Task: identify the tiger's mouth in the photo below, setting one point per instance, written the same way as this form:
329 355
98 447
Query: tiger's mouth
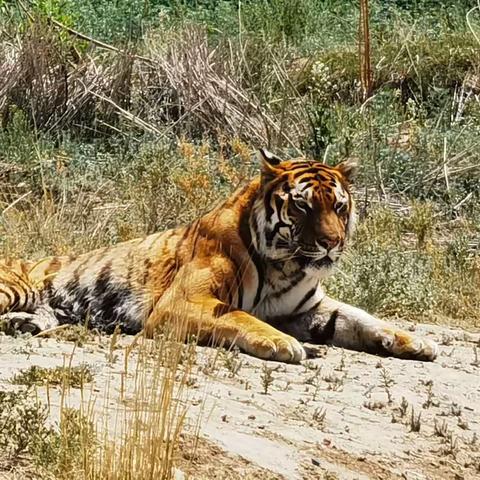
321 263
307 255
314 258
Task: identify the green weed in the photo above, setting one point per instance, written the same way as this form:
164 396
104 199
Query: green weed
74 377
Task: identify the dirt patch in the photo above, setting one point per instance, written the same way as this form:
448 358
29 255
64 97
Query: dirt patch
210 462
345 415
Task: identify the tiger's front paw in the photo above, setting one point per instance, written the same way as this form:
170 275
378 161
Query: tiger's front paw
279 347
402 344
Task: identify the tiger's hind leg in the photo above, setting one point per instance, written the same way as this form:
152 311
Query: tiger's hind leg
25 322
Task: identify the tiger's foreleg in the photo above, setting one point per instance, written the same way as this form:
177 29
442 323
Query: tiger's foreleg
353 328
343 325
212 321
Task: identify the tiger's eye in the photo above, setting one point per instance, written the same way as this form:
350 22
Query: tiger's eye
341 208
301 205
286 188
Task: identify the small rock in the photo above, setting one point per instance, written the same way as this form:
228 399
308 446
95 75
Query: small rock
408 475
178 474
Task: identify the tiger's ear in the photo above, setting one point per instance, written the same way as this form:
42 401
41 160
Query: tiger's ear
348 168
269 158
269 164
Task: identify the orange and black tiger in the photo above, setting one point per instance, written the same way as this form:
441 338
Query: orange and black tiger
248 273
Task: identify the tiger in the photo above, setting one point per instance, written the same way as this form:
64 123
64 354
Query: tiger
248 273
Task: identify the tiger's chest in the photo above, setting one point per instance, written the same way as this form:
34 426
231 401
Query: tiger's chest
285 292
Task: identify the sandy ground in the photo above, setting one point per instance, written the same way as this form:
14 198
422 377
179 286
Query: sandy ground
343 414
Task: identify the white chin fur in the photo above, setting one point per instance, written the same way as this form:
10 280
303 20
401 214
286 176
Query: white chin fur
319 272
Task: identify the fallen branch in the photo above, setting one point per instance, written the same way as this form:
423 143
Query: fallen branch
87 38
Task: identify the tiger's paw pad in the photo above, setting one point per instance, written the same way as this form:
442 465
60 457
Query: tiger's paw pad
404 345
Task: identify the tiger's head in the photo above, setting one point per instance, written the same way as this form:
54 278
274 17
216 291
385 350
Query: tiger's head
305 211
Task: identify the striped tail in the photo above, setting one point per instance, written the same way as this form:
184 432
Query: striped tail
17 292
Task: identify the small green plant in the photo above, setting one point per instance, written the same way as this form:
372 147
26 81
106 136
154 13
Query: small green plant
78 334
430 396
334 382
74 377
266 377
319 415
456 409
387 383
399 413
374 405
25 432
403 407
446 340
441 429
415 421
233 362
315 380
450 446
22 423
310 365
463 423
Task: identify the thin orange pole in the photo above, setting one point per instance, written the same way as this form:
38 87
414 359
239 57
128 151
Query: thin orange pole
364 51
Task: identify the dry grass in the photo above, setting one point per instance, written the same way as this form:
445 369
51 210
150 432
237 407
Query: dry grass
63 210
47 78
182 84
153 416
139 438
